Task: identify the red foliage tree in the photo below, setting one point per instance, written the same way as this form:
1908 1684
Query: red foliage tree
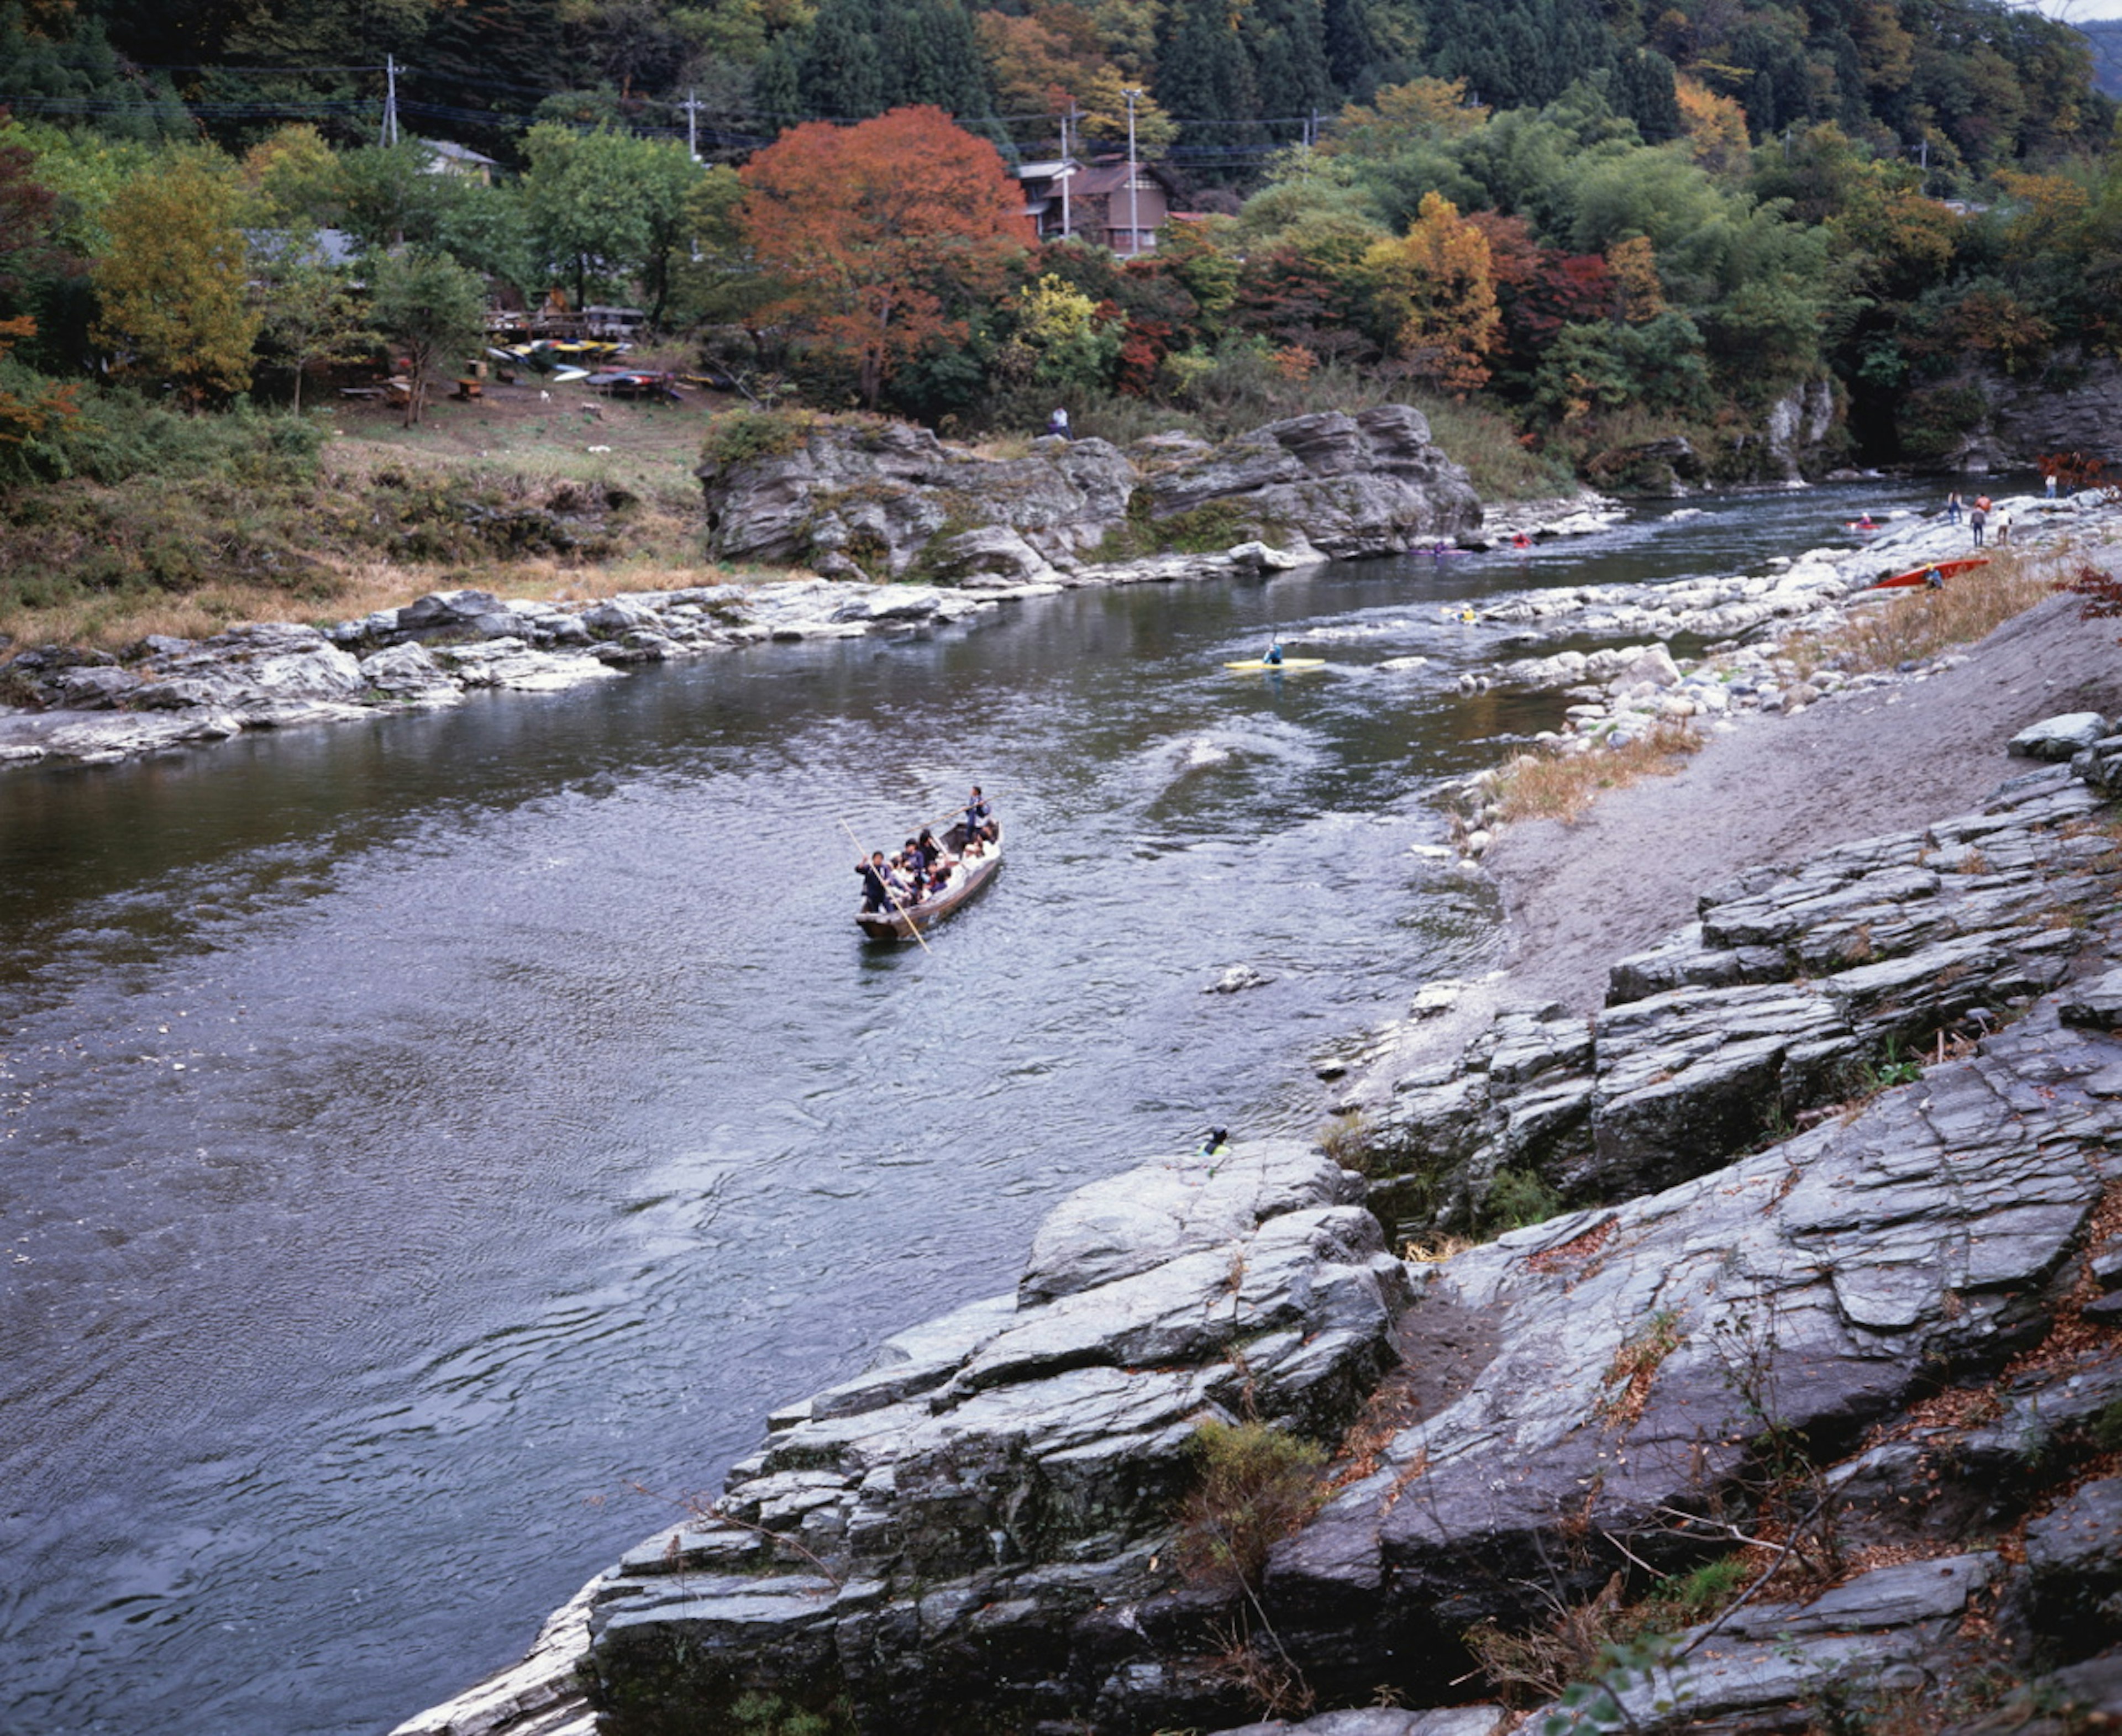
876 232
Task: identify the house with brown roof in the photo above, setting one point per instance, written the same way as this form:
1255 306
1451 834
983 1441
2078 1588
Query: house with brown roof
1104 203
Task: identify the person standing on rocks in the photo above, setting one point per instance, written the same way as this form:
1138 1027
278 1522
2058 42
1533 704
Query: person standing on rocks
1056 424
1952 507
1978 517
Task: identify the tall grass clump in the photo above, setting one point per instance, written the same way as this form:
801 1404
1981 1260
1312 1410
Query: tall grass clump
1562 786
1914 625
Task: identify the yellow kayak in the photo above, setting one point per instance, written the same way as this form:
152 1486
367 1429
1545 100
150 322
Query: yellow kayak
1286 663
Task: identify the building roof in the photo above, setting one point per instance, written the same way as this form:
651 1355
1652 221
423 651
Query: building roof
449 151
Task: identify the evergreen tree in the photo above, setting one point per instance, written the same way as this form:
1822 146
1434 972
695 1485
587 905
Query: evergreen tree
1286 39
1202 70
1644 90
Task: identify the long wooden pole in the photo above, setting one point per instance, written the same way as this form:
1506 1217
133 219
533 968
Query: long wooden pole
913 926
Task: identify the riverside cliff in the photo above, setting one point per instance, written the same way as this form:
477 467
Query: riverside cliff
1809 1418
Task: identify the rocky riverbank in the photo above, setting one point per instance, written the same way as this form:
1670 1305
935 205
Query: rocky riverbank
1366 485
1807 1409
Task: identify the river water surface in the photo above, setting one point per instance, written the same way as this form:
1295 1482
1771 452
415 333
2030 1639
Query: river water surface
428 1147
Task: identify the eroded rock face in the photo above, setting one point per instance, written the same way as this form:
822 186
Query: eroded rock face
959 1538
1796 989
1825 1282
888 499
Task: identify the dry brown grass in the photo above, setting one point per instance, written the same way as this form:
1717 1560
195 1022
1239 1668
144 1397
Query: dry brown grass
1562 786
355 589
513 445
1912 626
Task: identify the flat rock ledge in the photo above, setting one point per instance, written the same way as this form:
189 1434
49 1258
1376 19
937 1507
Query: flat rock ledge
97 708
1917 1295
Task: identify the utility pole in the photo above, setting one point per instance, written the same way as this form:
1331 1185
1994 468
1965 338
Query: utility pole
692 124
1068 170
1134 230
389 102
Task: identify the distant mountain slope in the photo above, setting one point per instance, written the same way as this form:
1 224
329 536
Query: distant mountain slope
2106 36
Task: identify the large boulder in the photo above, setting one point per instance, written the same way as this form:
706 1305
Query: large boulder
884 499
951 1540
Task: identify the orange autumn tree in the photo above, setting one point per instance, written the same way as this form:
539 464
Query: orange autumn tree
876 232
1435 289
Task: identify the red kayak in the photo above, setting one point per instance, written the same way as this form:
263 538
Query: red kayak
1943 569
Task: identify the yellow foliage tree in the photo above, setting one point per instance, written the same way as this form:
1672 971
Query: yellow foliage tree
1715 126
173 284
1436 288
293 178
1638 295
1434 108
1104 102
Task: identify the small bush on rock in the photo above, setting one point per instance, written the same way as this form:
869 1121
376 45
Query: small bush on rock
1518 1199
1258 1484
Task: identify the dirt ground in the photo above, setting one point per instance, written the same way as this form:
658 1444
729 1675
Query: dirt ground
536 423
1777 789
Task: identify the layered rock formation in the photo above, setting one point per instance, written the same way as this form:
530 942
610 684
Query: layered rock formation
1795 988
885 500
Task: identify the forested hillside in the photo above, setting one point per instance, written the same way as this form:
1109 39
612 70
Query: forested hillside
1570 229
1973 83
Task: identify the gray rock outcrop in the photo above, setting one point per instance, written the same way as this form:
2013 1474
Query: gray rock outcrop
888 499
996 1488
1795 990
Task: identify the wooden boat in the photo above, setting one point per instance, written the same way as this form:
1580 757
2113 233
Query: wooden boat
967 880
1921 575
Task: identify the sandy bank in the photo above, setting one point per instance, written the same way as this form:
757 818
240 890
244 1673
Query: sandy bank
1581 895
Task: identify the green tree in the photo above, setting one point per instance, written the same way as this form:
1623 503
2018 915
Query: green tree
174 285
390 196
433 312
309 313
607 207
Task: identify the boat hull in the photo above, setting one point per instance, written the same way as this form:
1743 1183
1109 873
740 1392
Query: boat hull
1261 663
1943 569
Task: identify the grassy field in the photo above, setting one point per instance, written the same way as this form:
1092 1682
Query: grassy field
226 518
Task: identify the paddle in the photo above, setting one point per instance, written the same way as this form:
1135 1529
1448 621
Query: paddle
913 925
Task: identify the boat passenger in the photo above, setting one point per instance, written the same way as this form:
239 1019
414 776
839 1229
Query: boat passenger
932 852
939 877
1274 652
975 848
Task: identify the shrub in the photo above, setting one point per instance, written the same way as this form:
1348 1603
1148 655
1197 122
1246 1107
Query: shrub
1518 1199
746 436
1258 1484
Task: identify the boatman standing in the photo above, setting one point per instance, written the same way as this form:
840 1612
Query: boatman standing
980 817
875 896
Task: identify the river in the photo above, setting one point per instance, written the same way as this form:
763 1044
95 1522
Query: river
428 1147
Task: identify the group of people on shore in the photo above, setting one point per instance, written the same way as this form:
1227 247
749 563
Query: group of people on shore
1977 515
922 868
